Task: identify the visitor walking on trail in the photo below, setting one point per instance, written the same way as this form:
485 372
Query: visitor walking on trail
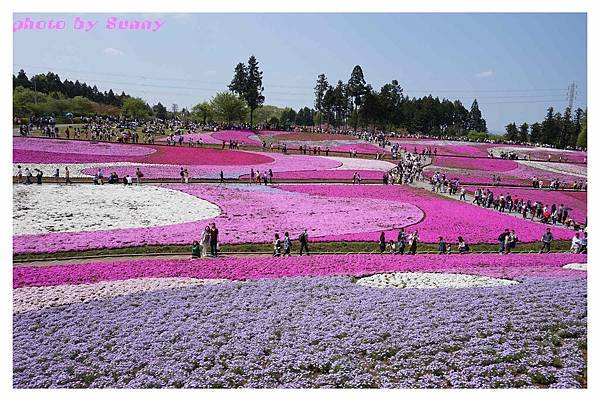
56 175
214 240
277 245
205 241
67 176
382 242
304 242
251 175
221 178
138 176
575 243
182 175
287 245
28 176
442 246
413 240
20 176
463 247
546 241
401 243
502 240
583 244
38 176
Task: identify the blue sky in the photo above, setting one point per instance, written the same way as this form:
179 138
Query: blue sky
516 65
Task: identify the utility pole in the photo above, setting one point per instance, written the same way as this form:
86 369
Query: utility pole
571 94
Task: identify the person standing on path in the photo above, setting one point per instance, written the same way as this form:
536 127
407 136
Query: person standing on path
304 242
287 245
67 176
222 180
277 245
28 176
382 242
401 243
56 175
138 176
205 241
546 241
502 241
20 175
214 240
412 242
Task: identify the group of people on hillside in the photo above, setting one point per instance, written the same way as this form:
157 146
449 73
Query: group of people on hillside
405 243
534 210
208 245
408 170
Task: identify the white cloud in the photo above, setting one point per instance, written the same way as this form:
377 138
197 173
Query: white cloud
485 74
111 51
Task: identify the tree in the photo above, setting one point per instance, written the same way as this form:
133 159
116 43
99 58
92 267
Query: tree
247 84
391 101
524 133
135 107
228 107
582 137
288 117
536 133
549 127
320 89
512 133
202 111
22 80
475 121
238 83
356 88
81 105
158 109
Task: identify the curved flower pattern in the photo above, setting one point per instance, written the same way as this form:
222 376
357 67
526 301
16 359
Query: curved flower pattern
430 280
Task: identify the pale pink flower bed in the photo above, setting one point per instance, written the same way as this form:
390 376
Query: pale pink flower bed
249 213
204 137
506 266
325 175
79 147
243 137
443 217
488 165
277 162
360 148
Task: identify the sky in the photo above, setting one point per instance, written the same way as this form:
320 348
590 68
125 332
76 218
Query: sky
516 65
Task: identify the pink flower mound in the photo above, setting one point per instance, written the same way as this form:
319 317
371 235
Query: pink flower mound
325 175
575 200
272 133
488 165
528 172
279 162
250 213
443 147
360 148
183 155
204 137
499 266
475 177
42 157
241 136
80 147
443 217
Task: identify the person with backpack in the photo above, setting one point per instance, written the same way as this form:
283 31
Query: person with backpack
304 242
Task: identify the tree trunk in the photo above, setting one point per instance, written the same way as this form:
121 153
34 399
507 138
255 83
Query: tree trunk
251 112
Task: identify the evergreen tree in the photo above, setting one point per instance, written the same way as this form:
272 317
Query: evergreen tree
536 133
512 133
582 137
356 88
475 121
320 89
524 133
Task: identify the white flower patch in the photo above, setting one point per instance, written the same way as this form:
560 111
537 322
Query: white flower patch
431 280
576 170
349 163
576 266
33 298
75 169
40 209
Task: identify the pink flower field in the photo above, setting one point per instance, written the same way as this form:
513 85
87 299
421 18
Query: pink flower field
249 213
443 217
243 137
506 266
